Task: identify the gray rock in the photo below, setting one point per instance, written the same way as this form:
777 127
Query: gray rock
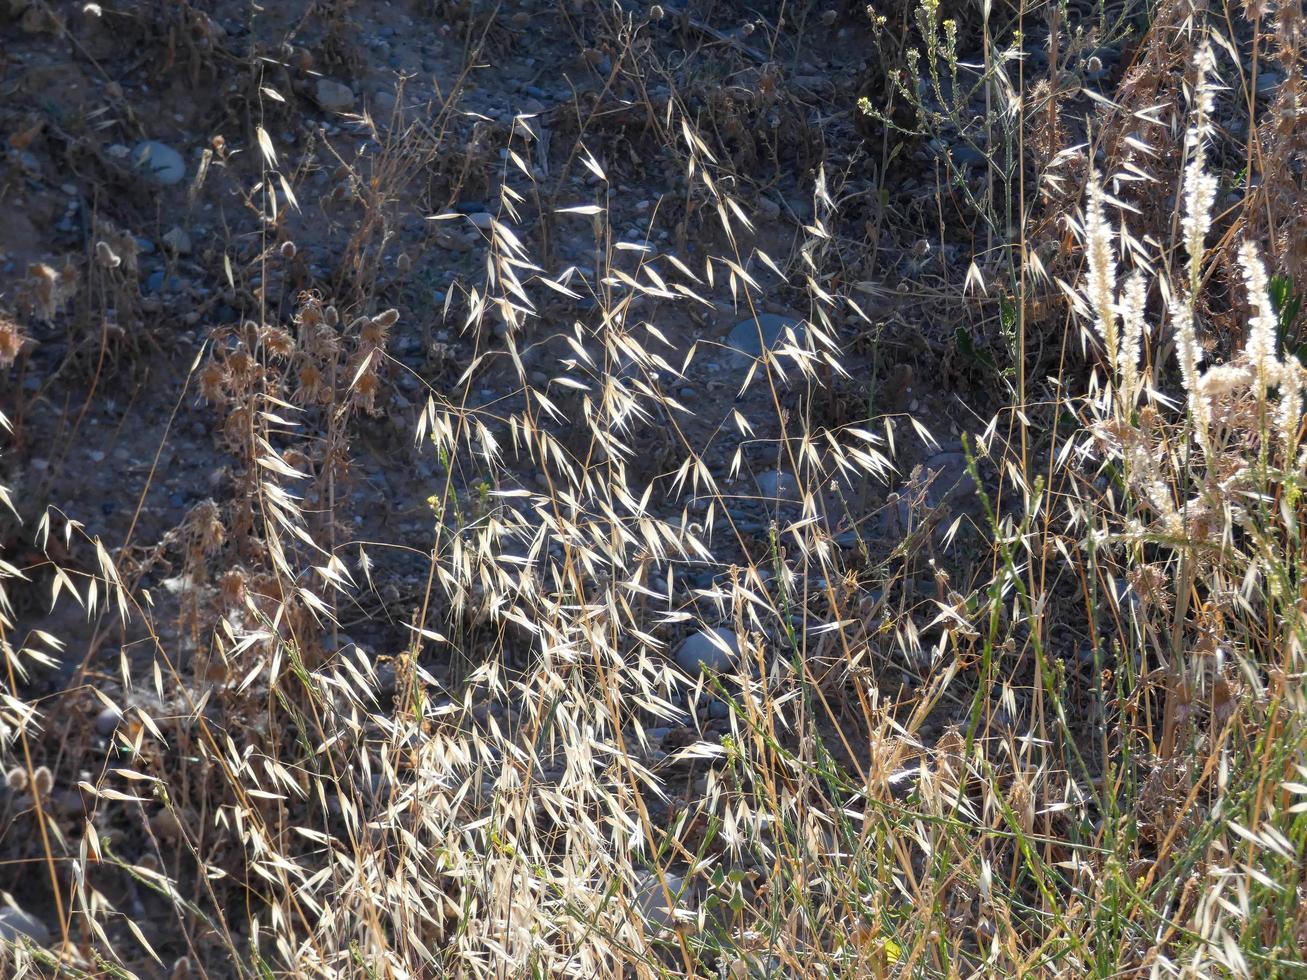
157 282
1268 82
750 338
333 96
777 485
387 680
179 241
15 924
651 901
482 219
700 652
964 153
158 163
952 483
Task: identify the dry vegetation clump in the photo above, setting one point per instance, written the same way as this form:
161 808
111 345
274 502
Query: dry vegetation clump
708 658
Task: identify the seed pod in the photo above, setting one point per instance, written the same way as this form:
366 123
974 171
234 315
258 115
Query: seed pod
43 780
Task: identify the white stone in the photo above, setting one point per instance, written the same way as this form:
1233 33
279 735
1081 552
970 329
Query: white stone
158 163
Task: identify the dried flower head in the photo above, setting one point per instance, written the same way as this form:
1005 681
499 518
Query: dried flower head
376 331
278 342
48 289
206 529
231 586
365 391
213 380
312 385
11 342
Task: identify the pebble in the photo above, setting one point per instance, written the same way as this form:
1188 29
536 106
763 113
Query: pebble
387 680
1268 83
963 153
158 163
481 219
155 282
699 652
777 485
15 924
744 336
952 482
333 96
178 240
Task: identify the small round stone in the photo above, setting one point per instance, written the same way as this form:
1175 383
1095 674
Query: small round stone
107 721
704 651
